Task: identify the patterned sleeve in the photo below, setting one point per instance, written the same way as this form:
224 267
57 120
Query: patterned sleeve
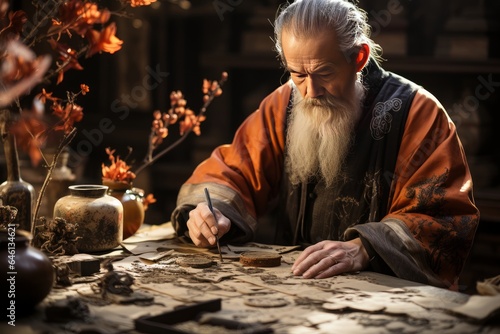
432 219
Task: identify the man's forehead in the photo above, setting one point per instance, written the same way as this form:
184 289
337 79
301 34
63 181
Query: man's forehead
311 65
314 50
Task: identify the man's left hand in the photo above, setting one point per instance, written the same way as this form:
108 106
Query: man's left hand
329 258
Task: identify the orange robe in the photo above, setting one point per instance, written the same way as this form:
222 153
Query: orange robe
425 228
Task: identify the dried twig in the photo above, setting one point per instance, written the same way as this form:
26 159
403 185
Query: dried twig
64 142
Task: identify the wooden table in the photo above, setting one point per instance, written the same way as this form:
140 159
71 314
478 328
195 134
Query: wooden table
251 299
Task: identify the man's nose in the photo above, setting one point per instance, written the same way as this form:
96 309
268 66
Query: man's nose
314 88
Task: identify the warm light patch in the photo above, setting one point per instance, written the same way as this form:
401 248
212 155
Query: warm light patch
466 186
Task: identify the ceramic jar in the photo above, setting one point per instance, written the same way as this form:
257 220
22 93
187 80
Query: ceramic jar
131 199
27 274
98 217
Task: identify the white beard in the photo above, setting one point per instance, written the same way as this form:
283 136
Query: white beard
320 133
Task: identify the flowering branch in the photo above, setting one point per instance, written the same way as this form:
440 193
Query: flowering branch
68 115
119 171
191 123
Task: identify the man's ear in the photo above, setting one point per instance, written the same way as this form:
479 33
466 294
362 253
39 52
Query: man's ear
362 57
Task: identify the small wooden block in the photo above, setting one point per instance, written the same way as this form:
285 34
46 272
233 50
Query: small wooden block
84 266
260 259
195 262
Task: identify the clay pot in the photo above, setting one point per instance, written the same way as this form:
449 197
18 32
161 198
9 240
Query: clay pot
98 217
131 199
27 274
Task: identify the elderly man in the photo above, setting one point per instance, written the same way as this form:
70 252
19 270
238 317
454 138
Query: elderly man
361 166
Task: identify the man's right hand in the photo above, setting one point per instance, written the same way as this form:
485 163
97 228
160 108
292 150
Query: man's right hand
203 227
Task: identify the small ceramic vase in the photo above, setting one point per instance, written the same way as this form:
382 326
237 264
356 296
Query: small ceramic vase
133 209
98 217
27 274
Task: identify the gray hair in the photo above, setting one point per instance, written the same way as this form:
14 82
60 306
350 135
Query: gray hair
306 18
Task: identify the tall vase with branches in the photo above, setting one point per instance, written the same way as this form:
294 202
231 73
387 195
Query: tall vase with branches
73 29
